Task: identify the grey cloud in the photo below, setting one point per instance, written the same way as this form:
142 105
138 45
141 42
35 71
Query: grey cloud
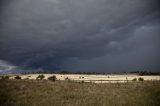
6 67
55 34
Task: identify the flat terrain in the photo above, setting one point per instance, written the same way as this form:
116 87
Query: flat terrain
93 78
69 93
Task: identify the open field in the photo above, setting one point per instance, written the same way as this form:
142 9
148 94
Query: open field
93 78
69 93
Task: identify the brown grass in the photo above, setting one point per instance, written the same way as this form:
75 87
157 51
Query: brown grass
68 93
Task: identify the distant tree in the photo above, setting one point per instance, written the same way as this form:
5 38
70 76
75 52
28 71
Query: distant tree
52 78
83 72
78 72
140 79
67 79
103 73
40 77
135 79
148 73
64 72
17 77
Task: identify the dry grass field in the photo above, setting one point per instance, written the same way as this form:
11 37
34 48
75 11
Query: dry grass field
68 93
92 78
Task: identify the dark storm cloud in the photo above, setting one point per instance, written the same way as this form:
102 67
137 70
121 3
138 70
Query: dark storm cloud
80 34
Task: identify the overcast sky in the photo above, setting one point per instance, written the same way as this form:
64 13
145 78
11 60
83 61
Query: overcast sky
80 35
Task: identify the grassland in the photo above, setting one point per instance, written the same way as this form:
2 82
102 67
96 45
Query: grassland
68 93
92 78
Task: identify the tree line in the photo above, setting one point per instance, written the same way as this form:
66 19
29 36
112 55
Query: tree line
92 73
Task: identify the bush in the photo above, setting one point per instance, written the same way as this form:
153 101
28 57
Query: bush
140 79
135 79
67 79
40 77
52 78
17 77
4 77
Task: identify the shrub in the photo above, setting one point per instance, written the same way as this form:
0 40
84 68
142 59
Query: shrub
40 77
17 77
135 79
67 79
140 79
52 78
4 77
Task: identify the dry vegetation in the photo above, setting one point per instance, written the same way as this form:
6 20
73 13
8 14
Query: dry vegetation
68 93
90 78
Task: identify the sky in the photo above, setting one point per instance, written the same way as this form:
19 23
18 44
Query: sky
80 35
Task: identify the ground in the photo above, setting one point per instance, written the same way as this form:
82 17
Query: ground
108 78
69 93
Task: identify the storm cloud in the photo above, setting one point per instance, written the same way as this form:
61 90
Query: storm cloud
81 35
